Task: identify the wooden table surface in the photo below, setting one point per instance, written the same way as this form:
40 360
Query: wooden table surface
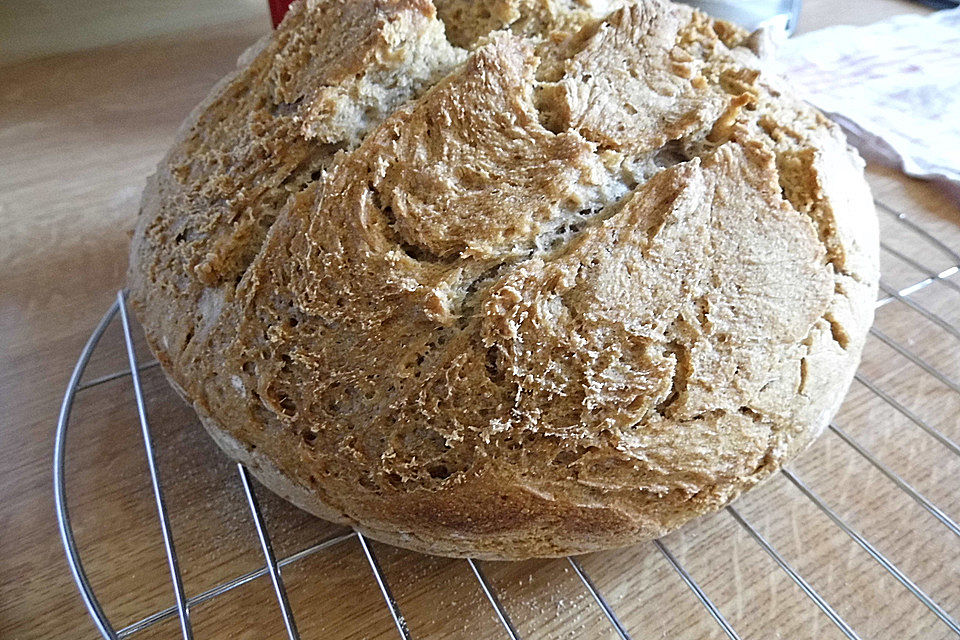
78 135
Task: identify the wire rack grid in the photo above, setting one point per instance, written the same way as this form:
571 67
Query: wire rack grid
273 566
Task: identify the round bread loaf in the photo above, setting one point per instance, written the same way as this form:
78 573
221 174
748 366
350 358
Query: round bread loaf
507 278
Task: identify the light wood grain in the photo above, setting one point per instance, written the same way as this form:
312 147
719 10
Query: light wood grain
79 134
32 28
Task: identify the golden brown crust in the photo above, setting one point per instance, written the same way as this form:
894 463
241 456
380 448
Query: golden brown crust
468 21
562 293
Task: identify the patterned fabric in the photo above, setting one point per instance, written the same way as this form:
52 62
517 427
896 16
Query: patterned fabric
894 85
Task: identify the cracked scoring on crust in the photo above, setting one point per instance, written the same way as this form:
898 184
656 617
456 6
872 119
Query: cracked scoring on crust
522 303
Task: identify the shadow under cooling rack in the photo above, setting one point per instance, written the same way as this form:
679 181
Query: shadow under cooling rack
273 566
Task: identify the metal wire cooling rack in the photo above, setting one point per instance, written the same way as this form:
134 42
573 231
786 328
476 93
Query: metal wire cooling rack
273 565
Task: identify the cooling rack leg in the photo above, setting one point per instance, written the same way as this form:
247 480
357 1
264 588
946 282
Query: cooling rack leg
182 610
267 547
697 591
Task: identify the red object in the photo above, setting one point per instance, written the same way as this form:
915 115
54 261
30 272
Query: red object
278 9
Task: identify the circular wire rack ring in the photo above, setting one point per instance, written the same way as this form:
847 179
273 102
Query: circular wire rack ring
273 566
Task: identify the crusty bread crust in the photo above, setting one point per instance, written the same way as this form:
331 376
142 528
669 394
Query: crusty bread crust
549 289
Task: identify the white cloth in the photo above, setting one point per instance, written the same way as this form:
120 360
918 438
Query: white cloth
894 85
